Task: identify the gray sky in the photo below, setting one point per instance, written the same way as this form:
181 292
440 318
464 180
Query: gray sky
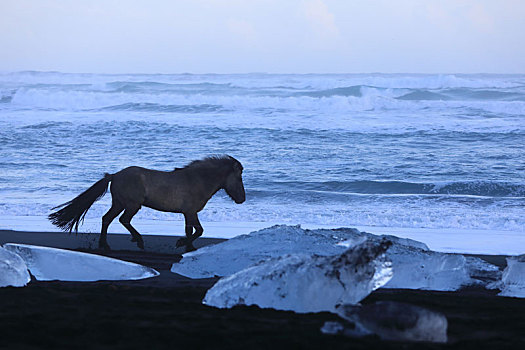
281 36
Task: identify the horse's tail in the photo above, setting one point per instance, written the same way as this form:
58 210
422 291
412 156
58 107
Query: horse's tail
73 212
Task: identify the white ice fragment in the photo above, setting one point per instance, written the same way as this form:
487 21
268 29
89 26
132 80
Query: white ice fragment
418 269
306 282
391 321
13 270
48 264
238 253
514 277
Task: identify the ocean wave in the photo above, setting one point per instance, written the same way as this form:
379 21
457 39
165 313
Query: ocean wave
473 188
423 95
278 90
315 81
340 91
152 86
437 81
276 94
462 95
155 107
370 100
6 95
47 125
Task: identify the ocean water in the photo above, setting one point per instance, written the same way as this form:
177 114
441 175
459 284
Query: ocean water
428 152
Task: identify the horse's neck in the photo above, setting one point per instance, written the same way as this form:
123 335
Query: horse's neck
212 181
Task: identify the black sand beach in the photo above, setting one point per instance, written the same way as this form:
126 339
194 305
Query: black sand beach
166 311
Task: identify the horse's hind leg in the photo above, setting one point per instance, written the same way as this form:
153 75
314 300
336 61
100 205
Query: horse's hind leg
125 220
112 213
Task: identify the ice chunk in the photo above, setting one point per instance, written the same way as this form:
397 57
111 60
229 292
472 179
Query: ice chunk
48 264
238 253
306 282
514 277
483 273
397 240
391 321
415 266
418 269
13 270
334 327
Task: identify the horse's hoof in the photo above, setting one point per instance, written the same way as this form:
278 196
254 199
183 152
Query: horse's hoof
140 244
181 242
190 248
104 247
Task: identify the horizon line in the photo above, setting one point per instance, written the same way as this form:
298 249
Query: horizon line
250 73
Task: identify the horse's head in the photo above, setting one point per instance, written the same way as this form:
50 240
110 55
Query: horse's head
233 184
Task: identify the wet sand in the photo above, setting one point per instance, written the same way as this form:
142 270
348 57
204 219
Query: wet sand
166 311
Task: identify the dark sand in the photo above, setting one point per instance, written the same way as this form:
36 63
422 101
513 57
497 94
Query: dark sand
166 312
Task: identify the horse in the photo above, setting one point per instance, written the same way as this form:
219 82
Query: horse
184 190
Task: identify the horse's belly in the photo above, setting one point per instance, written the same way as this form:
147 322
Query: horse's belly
164 205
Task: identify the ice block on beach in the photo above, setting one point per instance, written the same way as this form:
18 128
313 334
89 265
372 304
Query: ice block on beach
414 265
13 269
514 277
240 252
419 269
48 264
306 282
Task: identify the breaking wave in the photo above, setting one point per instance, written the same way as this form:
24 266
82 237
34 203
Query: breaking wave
155 107
319 93
474 188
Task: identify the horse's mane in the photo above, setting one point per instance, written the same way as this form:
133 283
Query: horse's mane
212 162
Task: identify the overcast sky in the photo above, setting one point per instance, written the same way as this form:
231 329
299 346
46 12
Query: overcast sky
281 36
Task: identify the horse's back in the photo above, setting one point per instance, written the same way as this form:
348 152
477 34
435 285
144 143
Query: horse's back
156 189
133 175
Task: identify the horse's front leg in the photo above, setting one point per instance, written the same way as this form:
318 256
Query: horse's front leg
188 230
195 224
191 222
198 228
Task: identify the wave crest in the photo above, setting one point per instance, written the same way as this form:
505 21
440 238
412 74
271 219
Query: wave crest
473 188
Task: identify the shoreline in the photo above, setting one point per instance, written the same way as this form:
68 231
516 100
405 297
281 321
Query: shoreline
154 244
161 244
165 244
445 240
